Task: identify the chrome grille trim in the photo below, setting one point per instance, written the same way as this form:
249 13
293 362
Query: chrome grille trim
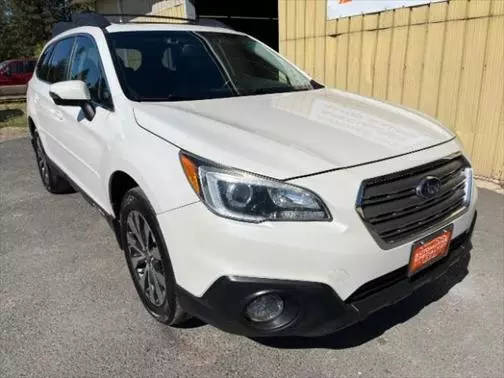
393 212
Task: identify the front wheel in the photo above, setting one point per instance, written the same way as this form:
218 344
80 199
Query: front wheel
147 258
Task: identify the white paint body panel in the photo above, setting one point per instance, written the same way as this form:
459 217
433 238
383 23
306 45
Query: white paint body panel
71 90
281 136
291 134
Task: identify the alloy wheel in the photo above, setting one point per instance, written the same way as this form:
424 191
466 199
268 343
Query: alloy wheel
42 162
145 259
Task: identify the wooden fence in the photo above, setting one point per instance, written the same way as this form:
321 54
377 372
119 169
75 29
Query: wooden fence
445 59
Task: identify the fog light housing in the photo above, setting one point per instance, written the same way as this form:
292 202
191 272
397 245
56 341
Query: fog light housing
265 308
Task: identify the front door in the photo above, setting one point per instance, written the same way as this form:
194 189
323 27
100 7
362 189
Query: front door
85 140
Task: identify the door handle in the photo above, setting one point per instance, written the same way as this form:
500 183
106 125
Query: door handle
57 115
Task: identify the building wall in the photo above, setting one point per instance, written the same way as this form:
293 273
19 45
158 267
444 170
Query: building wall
107 6
445 59
168 8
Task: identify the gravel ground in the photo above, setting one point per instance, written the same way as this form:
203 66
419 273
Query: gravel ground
69 308
9 133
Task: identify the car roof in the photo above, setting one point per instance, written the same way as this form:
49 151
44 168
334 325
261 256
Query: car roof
133 27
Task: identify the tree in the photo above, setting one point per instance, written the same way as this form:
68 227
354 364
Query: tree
25 25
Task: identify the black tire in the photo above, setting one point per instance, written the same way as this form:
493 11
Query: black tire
147 266
53 182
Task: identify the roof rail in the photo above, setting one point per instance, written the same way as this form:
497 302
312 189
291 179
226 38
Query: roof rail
137 15
101 20
198 21
81 19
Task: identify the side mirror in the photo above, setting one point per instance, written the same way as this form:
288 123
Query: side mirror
73 93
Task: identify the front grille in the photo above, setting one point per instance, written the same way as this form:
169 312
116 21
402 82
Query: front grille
394 212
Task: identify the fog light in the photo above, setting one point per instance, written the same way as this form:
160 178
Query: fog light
265 308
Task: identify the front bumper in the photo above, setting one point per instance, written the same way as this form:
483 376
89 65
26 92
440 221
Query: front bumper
317 309
341 254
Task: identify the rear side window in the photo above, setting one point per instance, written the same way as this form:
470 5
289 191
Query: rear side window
43 63
87 67
60 59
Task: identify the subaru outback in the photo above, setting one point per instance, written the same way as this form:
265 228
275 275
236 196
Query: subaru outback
241 191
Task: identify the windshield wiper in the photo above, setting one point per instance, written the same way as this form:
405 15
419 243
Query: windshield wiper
163 99
316 85
270 90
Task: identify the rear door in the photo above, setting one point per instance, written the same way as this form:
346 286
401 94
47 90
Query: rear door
36 89
51 121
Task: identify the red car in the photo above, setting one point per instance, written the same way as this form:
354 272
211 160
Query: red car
16 71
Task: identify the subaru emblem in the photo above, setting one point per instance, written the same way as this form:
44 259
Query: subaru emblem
428 187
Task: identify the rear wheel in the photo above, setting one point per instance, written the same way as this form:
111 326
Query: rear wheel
53 182
148 259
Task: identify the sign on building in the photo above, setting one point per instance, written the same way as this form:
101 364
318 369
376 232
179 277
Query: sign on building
345 8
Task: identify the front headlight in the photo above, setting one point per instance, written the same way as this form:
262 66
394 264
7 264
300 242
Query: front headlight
243 196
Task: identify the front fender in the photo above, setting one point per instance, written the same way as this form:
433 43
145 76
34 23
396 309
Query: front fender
155 166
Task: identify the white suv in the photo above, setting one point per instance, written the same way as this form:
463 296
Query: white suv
241 191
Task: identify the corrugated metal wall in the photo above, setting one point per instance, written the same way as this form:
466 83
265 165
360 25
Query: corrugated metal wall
445 59
167 8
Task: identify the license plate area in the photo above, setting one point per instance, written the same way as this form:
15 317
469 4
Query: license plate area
430 249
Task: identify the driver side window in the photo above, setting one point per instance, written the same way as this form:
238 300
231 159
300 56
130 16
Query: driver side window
87 67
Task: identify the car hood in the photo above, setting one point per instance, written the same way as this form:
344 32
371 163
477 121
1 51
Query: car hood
291 134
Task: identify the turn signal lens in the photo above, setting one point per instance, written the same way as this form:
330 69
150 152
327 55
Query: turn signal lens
191 171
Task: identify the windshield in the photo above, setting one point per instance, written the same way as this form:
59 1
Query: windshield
184 65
